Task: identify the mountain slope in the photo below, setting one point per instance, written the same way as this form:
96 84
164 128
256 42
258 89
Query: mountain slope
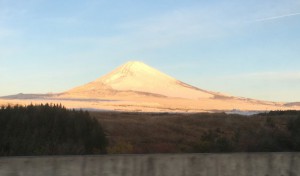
141 78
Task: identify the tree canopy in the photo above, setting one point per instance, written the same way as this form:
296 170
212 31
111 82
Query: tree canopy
49 130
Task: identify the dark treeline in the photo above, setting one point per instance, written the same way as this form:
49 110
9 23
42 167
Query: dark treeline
49 130
284 113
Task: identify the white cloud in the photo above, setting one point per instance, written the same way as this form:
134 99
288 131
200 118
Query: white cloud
10 12
274 86
4 32
278 75
64 21
275 76
277 17
177 26
202 22
180 26
163 30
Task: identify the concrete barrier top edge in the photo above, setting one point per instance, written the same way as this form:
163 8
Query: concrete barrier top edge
156 154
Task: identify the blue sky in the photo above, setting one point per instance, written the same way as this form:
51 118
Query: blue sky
244 48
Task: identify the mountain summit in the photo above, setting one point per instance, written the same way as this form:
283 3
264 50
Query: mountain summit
138 77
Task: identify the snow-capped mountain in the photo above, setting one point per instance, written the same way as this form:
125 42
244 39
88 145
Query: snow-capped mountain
140 78
136 86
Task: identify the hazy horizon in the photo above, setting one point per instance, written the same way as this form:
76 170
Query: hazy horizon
241 48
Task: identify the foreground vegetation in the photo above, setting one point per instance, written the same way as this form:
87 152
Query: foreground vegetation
49 130
54 130
277 131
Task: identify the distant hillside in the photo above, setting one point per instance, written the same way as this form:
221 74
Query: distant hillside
27 96
292 104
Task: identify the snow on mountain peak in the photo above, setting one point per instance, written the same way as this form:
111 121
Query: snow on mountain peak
134 71
137 76
137 67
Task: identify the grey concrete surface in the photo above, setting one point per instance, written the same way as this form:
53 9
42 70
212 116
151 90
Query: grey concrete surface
239 164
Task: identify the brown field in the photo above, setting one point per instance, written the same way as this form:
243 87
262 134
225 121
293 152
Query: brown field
183 132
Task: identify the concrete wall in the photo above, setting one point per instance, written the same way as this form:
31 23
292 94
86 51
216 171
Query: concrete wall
241 164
